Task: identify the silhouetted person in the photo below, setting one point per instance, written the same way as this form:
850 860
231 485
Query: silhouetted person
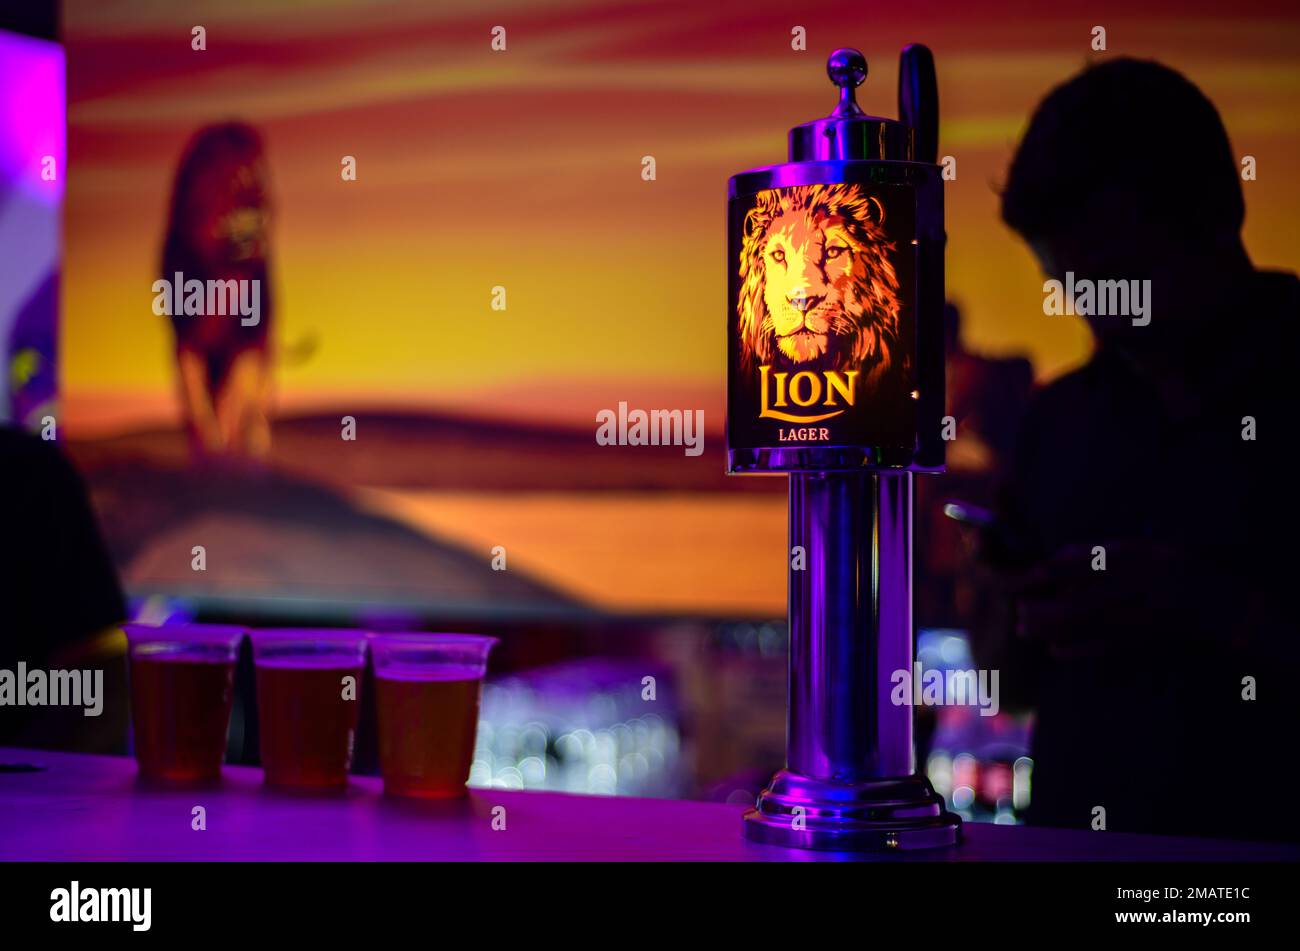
60 603
1136 671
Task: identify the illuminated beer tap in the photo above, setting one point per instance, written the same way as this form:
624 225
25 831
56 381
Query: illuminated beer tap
835 377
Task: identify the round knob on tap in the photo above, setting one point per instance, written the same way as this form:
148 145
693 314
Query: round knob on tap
847 69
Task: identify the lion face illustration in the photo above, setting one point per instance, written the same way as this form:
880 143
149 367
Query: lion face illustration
818 290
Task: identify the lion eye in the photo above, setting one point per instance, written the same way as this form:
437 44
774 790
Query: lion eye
834 251
778 256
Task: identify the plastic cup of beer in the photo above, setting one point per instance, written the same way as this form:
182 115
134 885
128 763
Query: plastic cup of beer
308 704
182 685
427 689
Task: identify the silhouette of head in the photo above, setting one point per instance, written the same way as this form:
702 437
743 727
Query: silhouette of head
1125 173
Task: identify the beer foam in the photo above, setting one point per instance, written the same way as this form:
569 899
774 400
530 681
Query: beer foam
313 662
431 672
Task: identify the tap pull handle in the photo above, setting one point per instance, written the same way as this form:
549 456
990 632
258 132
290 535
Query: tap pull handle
918 100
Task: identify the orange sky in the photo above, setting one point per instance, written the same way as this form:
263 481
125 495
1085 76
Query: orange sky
522 169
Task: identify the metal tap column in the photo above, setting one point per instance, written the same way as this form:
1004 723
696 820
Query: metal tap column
850 781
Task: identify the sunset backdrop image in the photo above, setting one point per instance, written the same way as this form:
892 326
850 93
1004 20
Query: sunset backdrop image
485 225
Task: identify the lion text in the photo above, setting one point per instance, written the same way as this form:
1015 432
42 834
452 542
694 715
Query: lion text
777 391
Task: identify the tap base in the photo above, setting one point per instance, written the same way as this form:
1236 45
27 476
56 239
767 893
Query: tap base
880 815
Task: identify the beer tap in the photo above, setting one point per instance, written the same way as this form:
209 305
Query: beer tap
836 379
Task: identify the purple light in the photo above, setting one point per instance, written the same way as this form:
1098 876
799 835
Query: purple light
31 116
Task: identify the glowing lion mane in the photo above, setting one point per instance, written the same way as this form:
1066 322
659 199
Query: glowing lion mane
838 302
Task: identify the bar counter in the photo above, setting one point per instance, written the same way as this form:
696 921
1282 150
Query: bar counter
92 808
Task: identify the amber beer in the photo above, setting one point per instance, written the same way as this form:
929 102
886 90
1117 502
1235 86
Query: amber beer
182 685
428 748
428 688
306 727
308 703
